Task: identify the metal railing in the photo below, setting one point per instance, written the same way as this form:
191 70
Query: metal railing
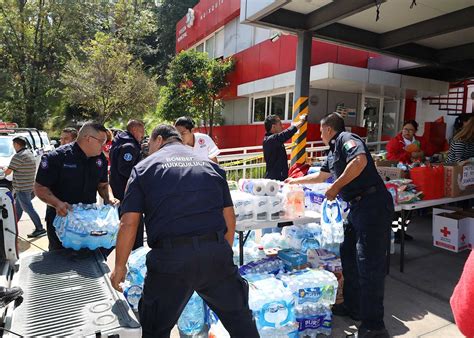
248 162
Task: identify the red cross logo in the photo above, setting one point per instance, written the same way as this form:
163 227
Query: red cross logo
463 237
445 232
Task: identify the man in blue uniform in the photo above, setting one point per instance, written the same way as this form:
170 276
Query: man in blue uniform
124 155
190 224
366 231
73 173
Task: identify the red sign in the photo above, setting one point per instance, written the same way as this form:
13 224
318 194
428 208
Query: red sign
204 19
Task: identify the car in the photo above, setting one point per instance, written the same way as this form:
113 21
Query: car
37 141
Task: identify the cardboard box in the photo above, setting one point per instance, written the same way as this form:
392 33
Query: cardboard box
459 180
390 173
470 225
451 231
385 163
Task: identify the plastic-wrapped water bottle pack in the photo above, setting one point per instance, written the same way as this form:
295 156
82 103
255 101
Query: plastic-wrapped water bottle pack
270 265
313 292
135 278
88 226
332 230
304 237
273 308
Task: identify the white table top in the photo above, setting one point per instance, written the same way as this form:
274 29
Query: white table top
431 203
309 217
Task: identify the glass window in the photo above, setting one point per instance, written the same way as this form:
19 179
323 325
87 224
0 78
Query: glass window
277 105
259 111
219 44
200 47
6 147
290 106
210 46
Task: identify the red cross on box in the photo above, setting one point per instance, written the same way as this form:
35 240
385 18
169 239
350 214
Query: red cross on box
445 232
463 237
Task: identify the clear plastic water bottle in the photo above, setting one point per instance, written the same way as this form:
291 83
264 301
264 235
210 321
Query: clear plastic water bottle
192 318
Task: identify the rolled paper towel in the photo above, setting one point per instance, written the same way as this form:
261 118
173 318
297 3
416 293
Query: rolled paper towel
259 187
262 208
276 207
254 187
271 187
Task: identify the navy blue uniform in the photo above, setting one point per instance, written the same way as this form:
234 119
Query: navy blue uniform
366 231
183 198
275 154
125 153
73 178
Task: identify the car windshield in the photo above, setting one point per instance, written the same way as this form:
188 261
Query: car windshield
45 139
6 147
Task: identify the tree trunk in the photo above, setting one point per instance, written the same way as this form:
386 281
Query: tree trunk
211 118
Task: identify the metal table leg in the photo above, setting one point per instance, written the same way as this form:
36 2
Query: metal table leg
241 248
405 216
242 241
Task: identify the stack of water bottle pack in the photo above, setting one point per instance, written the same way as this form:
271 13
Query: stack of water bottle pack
263 200
88 226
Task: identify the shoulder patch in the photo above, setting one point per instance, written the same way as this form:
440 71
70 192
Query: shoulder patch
44 163
349 145
128 157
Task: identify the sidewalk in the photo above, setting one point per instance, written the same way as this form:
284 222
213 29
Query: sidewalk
416 302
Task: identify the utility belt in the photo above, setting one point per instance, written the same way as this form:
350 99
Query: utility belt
188 241
368 191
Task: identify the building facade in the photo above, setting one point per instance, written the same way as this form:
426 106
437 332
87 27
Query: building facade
354 82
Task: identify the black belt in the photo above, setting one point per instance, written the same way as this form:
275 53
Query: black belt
183 241
371 190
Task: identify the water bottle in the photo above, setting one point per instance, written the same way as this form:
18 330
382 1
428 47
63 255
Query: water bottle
192 318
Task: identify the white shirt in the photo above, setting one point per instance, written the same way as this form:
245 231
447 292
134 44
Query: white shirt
204 146
407 141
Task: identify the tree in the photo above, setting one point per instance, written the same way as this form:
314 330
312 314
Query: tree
106 81
168 13
194 83
33 39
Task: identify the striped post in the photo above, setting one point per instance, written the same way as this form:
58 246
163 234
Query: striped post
300 106
298 152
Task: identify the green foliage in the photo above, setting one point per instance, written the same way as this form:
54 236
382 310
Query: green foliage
167 15
38 38
193 85
105 80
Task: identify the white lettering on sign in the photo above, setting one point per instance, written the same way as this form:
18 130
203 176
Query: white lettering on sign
211 8
182 164
467 175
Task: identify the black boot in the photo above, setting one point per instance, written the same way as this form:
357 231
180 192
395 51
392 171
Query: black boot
366 333
342 311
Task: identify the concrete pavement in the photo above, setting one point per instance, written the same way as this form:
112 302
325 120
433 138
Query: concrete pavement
416 302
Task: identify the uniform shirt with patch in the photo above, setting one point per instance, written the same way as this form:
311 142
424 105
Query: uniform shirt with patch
204 146
343 148
71 175
179 193
125 153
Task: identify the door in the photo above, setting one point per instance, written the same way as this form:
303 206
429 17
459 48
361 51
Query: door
371 118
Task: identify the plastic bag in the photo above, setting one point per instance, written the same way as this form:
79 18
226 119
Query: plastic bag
331 222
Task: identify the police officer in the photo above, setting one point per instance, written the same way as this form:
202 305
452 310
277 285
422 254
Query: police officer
73 173
366 231
190 224
125 153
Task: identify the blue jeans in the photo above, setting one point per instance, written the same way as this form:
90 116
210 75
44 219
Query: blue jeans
23 203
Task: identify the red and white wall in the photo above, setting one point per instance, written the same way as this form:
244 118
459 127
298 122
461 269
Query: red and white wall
214 26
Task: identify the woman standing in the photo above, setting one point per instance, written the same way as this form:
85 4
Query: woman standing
462 145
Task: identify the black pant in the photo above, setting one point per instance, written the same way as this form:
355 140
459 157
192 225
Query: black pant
205 267
363 256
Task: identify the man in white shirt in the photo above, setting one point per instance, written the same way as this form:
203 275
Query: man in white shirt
203 146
